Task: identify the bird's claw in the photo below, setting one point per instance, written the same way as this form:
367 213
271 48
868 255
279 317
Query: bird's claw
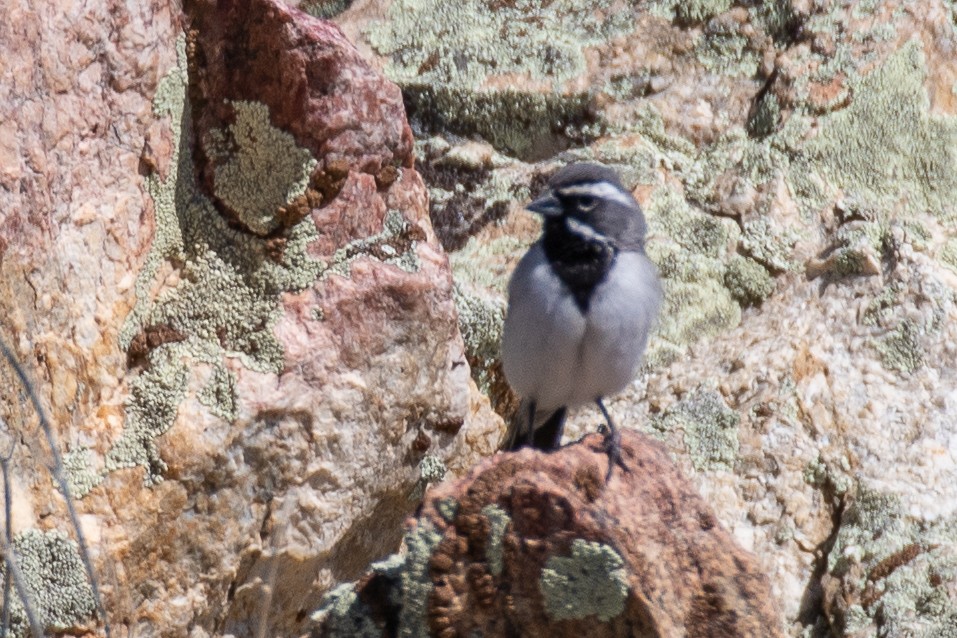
612 446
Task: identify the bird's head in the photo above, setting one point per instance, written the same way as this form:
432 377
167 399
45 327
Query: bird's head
590 201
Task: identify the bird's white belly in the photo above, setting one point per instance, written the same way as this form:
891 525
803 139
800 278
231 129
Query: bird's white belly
554 354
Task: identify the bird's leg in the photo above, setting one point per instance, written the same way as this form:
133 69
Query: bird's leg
612 442
530 432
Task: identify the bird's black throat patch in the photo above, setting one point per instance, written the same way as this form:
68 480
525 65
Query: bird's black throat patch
581 262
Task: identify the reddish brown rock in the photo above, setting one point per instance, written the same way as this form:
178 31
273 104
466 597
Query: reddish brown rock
538 544
313 81
243 414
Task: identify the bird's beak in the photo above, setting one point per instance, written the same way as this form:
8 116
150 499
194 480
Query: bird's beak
546 205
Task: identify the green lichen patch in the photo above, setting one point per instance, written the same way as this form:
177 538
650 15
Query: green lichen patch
590 582
726 50
880 309
827 478
769 244
169 193
747 281
530 126
896 571
443 53
259 168
483 265
480 322
948 254
886 149
696 11
709 426
325 8
499 521
56 580
690 250
464 42
901 350
695 231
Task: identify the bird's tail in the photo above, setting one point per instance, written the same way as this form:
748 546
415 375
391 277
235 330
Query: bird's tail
546 428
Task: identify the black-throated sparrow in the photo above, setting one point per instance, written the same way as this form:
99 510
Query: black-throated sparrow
580 305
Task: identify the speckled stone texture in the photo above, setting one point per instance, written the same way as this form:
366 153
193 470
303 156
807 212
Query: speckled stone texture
217 265
534 544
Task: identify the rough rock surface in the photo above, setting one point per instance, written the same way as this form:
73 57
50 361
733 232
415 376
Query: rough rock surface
537 544
797 162
217 265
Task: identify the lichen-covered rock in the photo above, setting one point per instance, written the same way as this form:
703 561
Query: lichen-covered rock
796 163
216 264
536 544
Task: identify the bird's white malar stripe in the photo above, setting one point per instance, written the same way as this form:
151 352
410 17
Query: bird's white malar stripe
598 190
585 231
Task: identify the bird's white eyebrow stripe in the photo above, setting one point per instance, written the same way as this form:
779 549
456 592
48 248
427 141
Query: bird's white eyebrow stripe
598 190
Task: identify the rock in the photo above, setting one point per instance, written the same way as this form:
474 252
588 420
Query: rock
217 266
796 162
537 544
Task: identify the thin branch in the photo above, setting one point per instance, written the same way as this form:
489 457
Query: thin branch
60 476
12 569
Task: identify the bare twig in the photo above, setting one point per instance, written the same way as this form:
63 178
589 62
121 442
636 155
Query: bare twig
60 477
8 532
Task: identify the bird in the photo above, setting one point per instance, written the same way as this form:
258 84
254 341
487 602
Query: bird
581 303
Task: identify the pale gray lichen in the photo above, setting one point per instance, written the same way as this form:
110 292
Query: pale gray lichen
948 254
54 575
420 543
394 245
228 296
590 582
898 568
345 616
80 473
259 168
447 509
769 243
443 52
499 521
151 408
431 470
219 395
690 250
725 49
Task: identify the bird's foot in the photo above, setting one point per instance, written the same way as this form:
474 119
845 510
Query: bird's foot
612 446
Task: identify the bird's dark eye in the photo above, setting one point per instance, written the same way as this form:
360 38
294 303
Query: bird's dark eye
586 202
